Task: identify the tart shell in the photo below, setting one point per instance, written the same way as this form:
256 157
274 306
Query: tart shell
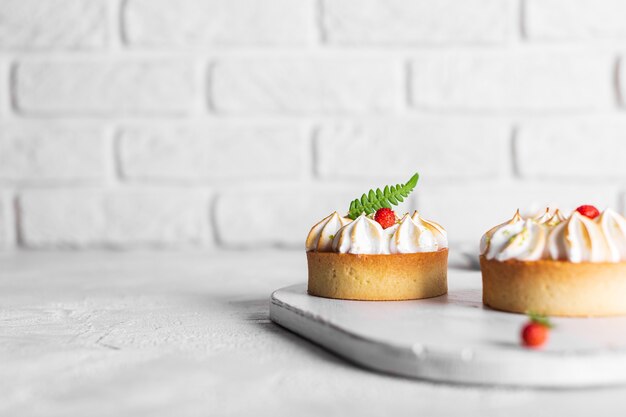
555 288
406 276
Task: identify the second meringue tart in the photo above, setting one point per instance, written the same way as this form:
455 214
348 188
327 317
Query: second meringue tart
557 266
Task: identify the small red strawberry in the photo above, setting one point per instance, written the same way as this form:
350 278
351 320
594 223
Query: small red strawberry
589 211
535 333
385 217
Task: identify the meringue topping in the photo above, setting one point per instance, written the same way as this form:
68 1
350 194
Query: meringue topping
440 234
552 236
557 217
543 218
516 239
411 237
527 244
614 228
485 241
578 239
362 236
321 236
549 218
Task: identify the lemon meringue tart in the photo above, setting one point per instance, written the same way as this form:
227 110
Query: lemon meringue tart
555 265
371 254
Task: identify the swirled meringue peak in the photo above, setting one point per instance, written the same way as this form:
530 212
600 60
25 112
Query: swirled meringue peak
614 228
362 236
485 241
411 237
527 243
516 239
550 218
578 239
557 217
543 217
440 234
321 236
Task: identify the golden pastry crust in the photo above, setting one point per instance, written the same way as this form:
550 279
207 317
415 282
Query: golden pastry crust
406 276
555 288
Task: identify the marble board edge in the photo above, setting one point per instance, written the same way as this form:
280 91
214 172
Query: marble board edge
425 363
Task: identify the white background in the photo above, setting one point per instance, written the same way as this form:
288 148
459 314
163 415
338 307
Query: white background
238 124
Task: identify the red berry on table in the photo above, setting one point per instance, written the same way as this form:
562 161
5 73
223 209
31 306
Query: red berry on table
588 211
535 333
385 217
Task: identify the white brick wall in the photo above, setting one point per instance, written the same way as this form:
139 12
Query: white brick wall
575 19
50 153
104 86
53 24
395 149
419 21
574 150
622 80
237 124
506 80
88 217
212 153
296 86
7 228
214 22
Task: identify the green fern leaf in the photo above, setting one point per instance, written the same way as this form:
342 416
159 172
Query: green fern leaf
377 199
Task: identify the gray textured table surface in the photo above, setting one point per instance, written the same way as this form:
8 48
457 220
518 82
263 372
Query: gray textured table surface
188 334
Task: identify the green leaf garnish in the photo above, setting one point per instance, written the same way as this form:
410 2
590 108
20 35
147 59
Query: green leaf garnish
540 319
377 199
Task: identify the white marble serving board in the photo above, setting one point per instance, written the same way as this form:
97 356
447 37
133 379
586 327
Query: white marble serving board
454 338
